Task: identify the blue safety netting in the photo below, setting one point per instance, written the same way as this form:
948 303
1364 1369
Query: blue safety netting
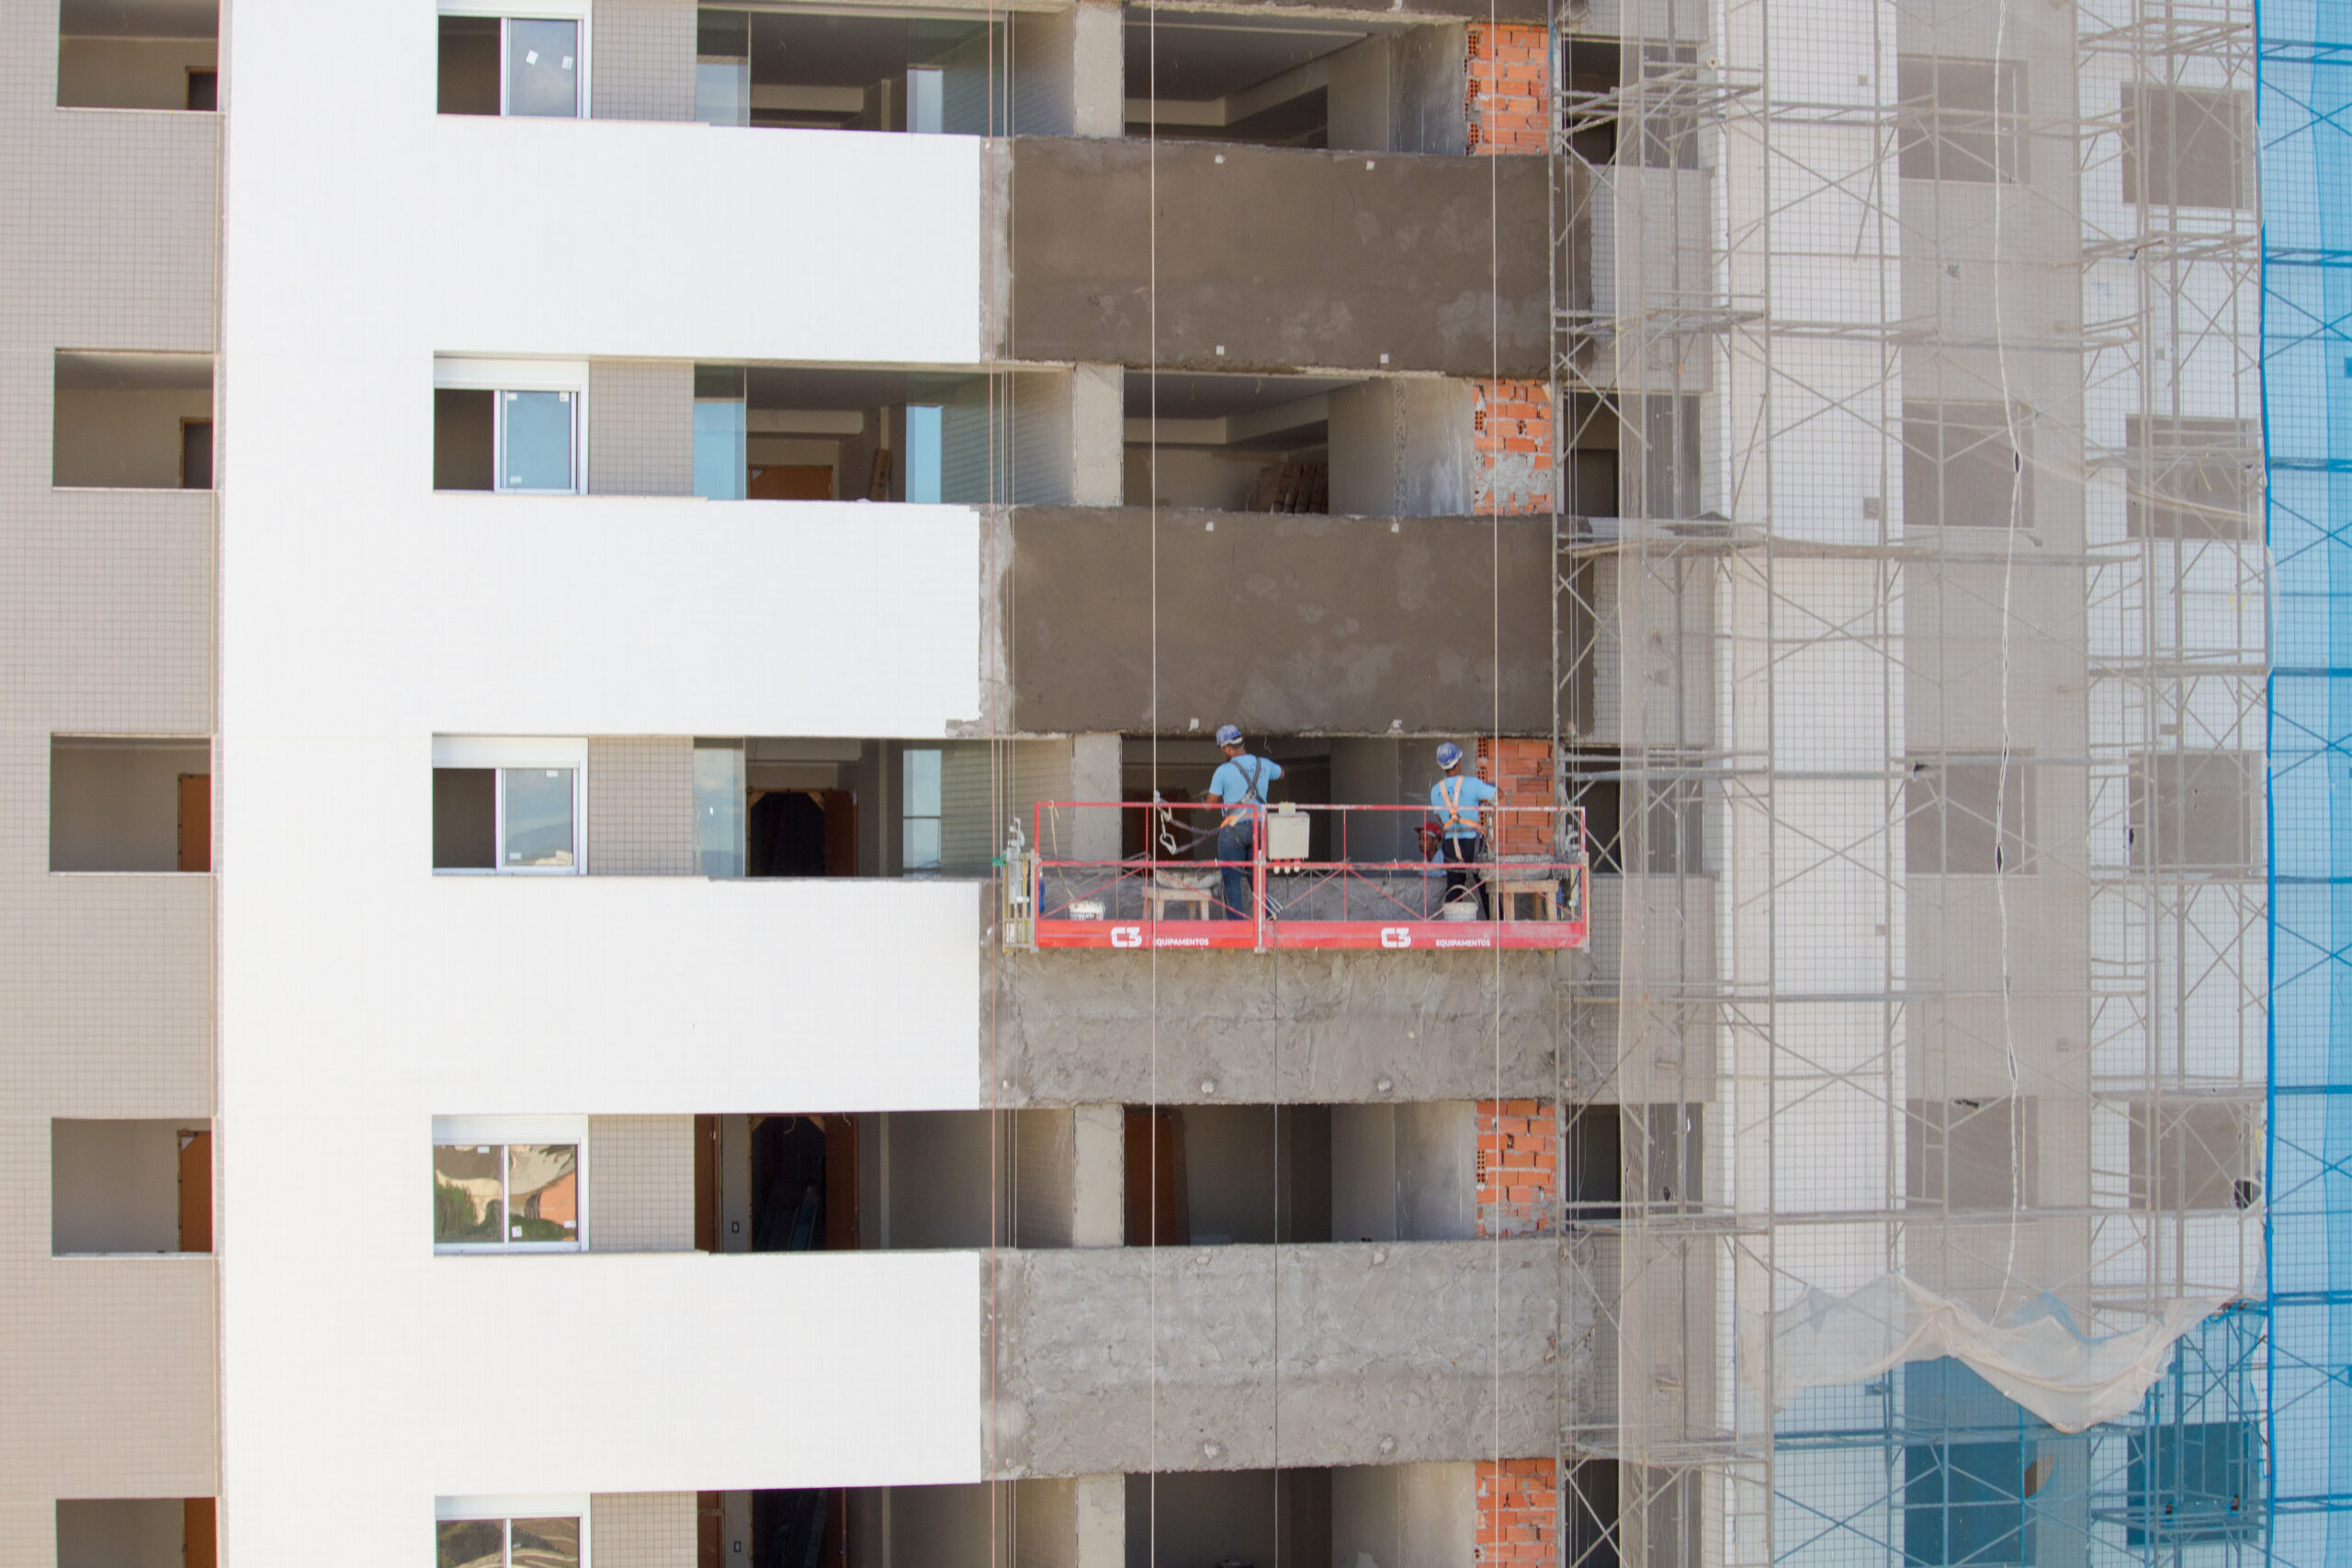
2305 91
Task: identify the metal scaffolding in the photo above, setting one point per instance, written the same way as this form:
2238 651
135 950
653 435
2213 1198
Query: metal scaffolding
1911 643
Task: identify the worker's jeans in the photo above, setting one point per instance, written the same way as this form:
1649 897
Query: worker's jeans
1465 851
1234 845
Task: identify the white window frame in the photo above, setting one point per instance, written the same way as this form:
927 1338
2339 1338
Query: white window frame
540 11
482 1131
500 753
495 376
512 1506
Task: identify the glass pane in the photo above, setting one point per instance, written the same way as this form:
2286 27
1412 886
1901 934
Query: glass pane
923 452
723 92
922 794
466 1205
471 1543
719 809
538 817
718 450
542 76
543 1192
536 445
922 843
926 101
547 1543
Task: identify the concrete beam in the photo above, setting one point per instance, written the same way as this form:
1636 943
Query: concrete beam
1242 1357
1297 1028
1352 625
1267 258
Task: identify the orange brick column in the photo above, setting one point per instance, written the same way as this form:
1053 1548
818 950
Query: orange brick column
1510 97
1510 432
1518 1167
1519 1511
1521 772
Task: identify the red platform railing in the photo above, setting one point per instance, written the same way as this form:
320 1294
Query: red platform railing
1303 876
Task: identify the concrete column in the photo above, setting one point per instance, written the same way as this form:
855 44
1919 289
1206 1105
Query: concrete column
1098 435
1094 775
1101 1520
1098 71
1098 1200
1403 448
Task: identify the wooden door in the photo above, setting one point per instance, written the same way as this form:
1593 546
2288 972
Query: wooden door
196 1192
841 832
840 1183
199 1533
792 481
1158 1211
710 1530
706 1185
195 822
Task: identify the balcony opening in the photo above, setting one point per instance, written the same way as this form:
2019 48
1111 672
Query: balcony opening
1263 1174
1354 85
138 54
896 1181
131 421
1231 443
798 433
126 803
129 1186
924 74
1265 1519
137 1532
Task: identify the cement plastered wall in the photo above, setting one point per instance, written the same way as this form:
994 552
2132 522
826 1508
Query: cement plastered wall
1240 1358
1280 257
1313 1028
1279 623
105 627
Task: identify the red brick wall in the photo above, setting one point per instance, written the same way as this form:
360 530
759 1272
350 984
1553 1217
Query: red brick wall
1518 1167
1510 423
1519 1511
1508 96
1521 772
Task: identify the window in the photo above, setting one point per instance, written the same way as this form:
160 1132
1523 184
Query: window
1965 1503
2193 1481
514 65
925 451
513 425
1960 119
720 801
511 1532
511 807
721 433
723 67
921 813
1963 466
509 1183
1949 809
2196 1154
2197 811
2192 478
1968 1155
2186 147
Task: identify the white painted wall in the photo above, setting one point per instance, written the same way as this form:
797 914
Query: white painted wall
359 996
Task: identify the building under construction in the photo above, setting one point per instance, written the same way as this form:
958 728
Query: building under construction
1858 478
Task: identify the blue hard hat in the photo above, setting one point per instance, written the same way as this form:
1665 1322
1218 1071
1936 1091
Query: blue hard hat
1229 735
1448 754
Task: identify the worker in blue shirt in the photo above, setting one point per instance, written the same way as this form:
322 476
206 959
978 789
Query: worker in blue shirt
1238 786
1454 801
